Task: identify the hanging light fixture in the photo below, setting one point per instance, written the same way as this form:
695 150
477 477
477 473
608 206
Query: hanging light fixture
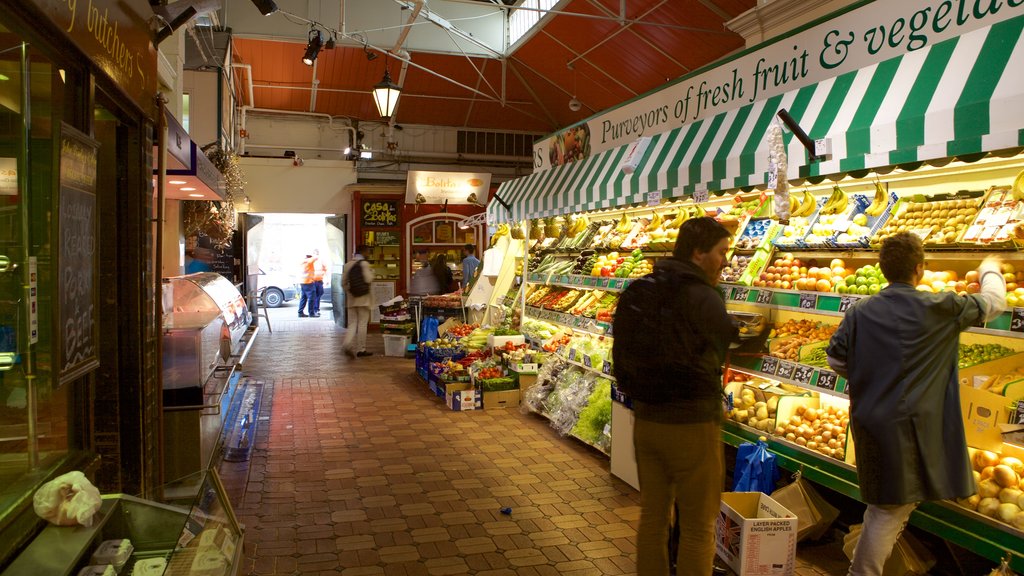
385 94
312 47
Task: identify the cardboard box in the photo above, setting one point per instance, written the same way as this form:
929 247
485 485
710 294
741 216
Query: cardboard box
499 341
527 381
755 535
983 412
503 399
461 400
450 387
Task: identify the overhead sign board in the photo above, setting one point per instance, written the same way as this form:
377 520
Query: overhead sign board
455 187
855 39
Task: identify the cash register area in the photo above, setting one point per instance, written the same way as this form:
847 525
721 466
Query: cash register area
358 469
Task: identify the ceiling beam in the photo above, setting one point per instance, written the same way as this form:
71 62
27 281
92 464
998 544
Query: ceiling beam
479 79
643 39
621 29
710 5
537 99
614 18
598 68
404 94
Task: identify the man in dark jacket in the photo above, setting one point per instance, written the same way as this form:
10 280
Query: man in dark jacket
671 336
898 350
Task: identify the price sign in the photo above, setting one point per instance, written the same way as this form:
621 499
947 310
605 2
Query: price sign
808 301
619 284
786 370
654 198
845 302
1020 412
606 368
803 374
769 365
740 294
586 361
700 193
827 379
1017 320
590 281
773 175
572 354
764 296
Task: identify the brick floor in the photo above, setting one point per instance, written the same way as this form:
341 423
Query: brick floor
359 469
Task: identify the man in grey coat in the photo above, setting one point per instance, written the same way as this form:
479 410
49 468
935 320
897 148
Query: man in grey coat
898 349
357 307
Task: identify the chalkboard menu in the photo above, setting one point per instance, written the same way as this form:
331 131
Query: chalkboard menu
225 261
380 213
77 255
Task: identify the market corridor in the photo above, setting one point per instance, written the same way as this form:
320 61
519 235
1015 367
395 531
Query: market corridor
359 470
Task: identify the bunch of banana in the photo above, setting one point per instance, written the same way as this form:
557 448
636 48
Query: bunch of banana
836 203
794 204
503 230
805 208
683 216
656 222
880 202
517 231
624 225
579 224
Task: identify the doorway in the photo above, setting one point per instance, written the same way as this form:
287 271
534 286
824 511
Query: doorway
276 256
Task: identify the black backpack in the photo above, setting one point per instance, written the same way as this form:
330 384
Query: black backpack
655 345
357 284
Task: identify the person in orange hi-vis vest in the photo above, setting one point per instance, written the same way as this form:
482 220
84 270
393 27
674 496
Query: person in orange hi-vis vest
308 289
319 270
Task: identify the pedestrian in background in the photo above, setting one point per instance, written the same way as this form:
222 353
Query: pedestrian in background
671 337
356 278
306 285
319 270
469 264
898 349
444 275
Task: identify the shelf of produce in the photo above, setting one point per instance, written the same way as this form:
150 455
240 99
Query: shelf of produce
971 530
934 254
580 281
812 378
1009 324
605 370
623 251
573 436
581 323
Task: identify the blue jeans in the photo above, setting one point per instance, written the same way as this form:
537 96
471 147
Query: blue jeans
318 290
308 295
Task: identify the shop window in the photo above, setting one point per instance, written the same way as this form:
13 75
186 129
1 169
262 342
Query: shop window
35 414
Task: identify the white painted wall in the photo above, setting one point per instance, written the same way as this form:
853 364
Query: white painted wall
771 18
277 185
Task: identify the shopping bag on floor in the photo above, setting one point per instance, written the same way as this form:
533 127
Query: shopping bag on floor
814 514
756 470
908 556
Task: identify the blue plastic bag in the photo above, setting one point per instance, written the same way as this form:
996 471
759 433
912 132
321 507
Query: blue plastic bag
756 470
428 329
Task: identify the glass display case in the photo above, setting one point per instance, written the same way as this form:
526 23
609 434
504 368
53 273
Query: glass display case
194 535
207 333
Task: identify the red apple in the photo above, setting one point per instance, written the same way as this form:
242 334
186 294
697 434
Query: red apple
973 287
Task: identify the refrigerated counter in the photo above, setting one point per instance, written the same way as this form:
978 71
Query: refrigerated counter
207 332
195 535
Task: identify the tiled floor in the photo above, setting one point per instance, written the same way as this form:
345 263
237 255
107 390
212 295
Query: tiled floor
359 470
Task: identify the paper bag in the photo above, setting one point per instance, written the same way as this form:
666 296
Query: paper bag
814 514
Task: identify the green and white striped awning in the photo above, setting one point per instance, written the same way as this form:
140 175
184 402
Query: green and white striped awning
960 97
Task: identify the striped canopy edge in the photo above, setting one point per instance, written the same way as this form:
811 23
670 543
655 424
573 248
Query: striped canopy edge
963 97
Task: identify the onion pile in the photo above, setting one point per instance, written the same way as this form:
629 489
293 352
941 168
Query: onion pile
820 429
1000 494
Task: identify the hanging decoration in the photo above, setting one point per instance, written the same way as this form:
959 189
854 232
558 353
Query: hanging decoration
216 220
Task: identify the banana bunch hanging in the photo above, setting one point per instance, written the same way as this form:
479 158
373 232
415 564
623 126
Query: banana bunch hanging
805 208
836 203
880 202
503 230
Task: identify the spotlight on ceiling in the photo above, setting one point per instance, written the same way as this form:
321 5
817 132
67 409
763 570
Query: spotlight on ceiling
365 154
329 45
312 47
370 56
266 7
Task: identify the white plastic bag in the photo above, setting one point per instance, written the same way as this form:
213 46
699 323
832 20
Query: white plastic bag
68 500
